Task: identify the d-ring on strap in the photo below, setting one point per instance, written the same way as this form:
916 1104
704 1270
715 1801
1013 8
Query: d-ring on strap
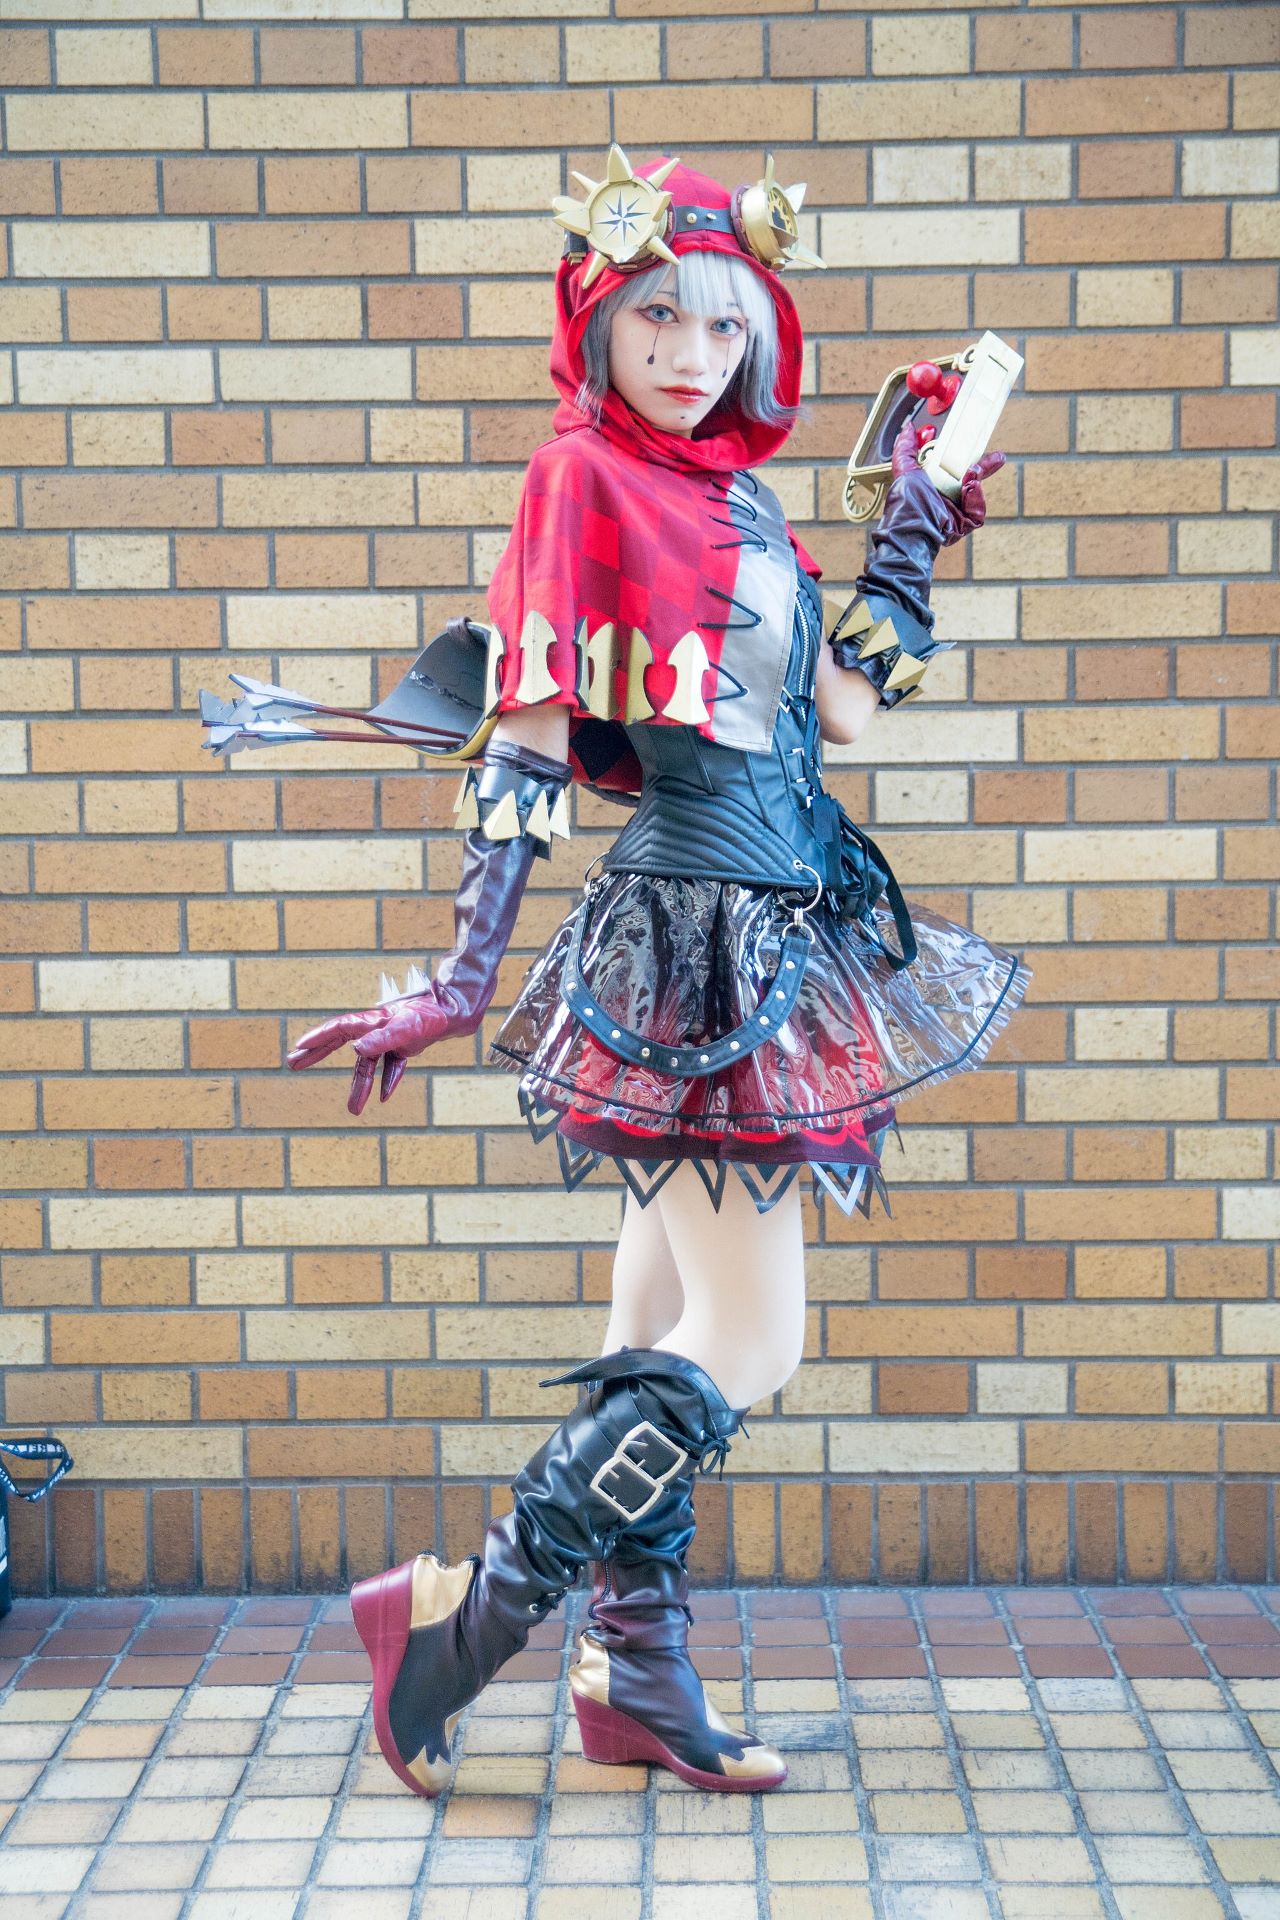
779 997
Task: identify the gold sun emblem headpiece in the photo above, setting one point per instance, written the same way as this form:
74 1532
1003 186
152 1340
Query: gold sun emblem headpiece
628 222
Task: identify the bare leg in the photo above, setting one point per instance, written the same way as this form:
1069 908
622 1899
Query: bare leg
647 1296
743 1278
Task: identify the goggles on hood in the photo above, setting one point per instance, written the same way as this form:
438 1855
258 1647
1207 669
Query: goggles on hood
626 222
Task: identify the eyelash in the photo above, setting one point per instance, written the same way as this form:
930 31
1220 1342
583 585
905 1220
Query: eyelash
661 306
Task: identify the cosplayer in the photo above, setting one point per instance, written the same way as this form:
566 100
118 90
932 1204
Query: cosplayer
741 992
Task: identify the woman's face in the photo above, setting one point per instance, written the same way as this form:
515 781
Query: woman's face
671 366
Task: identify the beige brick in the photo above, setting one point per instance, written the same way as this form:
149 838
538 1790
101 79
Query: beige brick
1125 297
145 1453
106 438
1226 167
515 1333
315 373
335 1220
269 622
122 1046
467 498
109 562
873 111
131 805
929 738
938 44
1219 1153
1017 914
1020 552
1252 485
353 1333
1224 545
1124 423
1250 1213
924 1446
322 312
435 1276
1125 611
939 171
1254 94
1122 1033
1122 1093
1021 171
610 54
130 985
1250 1329
24 1339
317 499
103 56
142 1221
913 1331
13 746
34 686
240 1279
120 376
407 435
281 865
81 122
1121 853
837 1389
1208 1387
962 236
30 313
1021 1388
1117 734
475 373
267 121
1063 1331
489 1215
905 797
474 1100
115 249
1252 355
1255 230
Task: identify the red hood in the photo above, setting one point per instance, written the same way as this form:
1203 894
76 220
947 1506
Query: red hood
726 438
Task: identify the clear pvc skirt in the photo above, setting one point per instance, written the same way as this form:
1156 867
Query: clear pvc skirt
685 960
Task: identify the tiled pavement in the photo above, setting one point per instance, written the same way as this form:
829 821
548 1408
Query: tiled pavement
1014 1754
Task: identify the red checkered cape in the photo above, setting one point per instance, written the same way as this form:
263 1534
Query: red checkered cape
603 535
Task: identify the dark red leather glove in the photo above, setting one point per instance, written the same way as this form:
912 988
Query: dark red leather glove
969 512
494 874
917 521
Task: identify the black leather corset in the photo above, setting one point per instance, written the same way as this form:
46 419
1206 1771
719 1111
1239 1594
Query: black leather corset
714 812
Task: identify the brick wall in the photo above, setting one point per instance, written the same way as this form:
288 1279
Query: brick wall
275 305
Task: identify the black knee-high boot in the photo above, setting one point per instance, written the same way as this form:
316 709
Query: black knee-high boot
436 1635
636 1692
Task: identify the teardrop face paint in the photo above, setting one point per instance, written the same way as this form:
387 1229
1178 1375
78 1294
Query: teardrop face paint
671 366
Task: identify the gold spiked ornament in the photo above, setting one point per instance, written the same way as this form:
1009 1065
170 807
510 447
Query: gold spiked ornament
624 218
907 672
466 812
881 637
765 218
503 821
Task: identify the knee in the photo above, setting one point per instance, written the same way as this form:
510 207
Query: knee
765 1370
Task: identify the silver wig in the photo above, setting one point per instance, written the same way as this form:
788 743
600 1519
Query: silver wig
707 284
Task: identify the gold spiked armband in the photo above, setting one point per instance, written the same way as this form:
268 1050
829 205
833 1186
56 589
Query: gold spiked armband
515 791
884 641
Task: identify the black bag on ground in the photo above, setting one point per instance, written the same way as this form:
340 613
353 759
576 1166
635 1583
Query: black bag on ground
36 1449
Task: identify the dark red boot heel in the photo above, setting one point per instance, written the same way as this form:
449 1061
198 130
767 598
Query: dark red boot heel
385 1609
614 1738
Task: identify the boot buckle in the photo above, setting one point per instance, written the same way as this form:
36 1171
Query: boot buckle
647 1478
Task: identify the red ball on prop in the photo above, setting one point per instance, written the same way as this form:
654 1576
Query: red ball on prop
923 378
